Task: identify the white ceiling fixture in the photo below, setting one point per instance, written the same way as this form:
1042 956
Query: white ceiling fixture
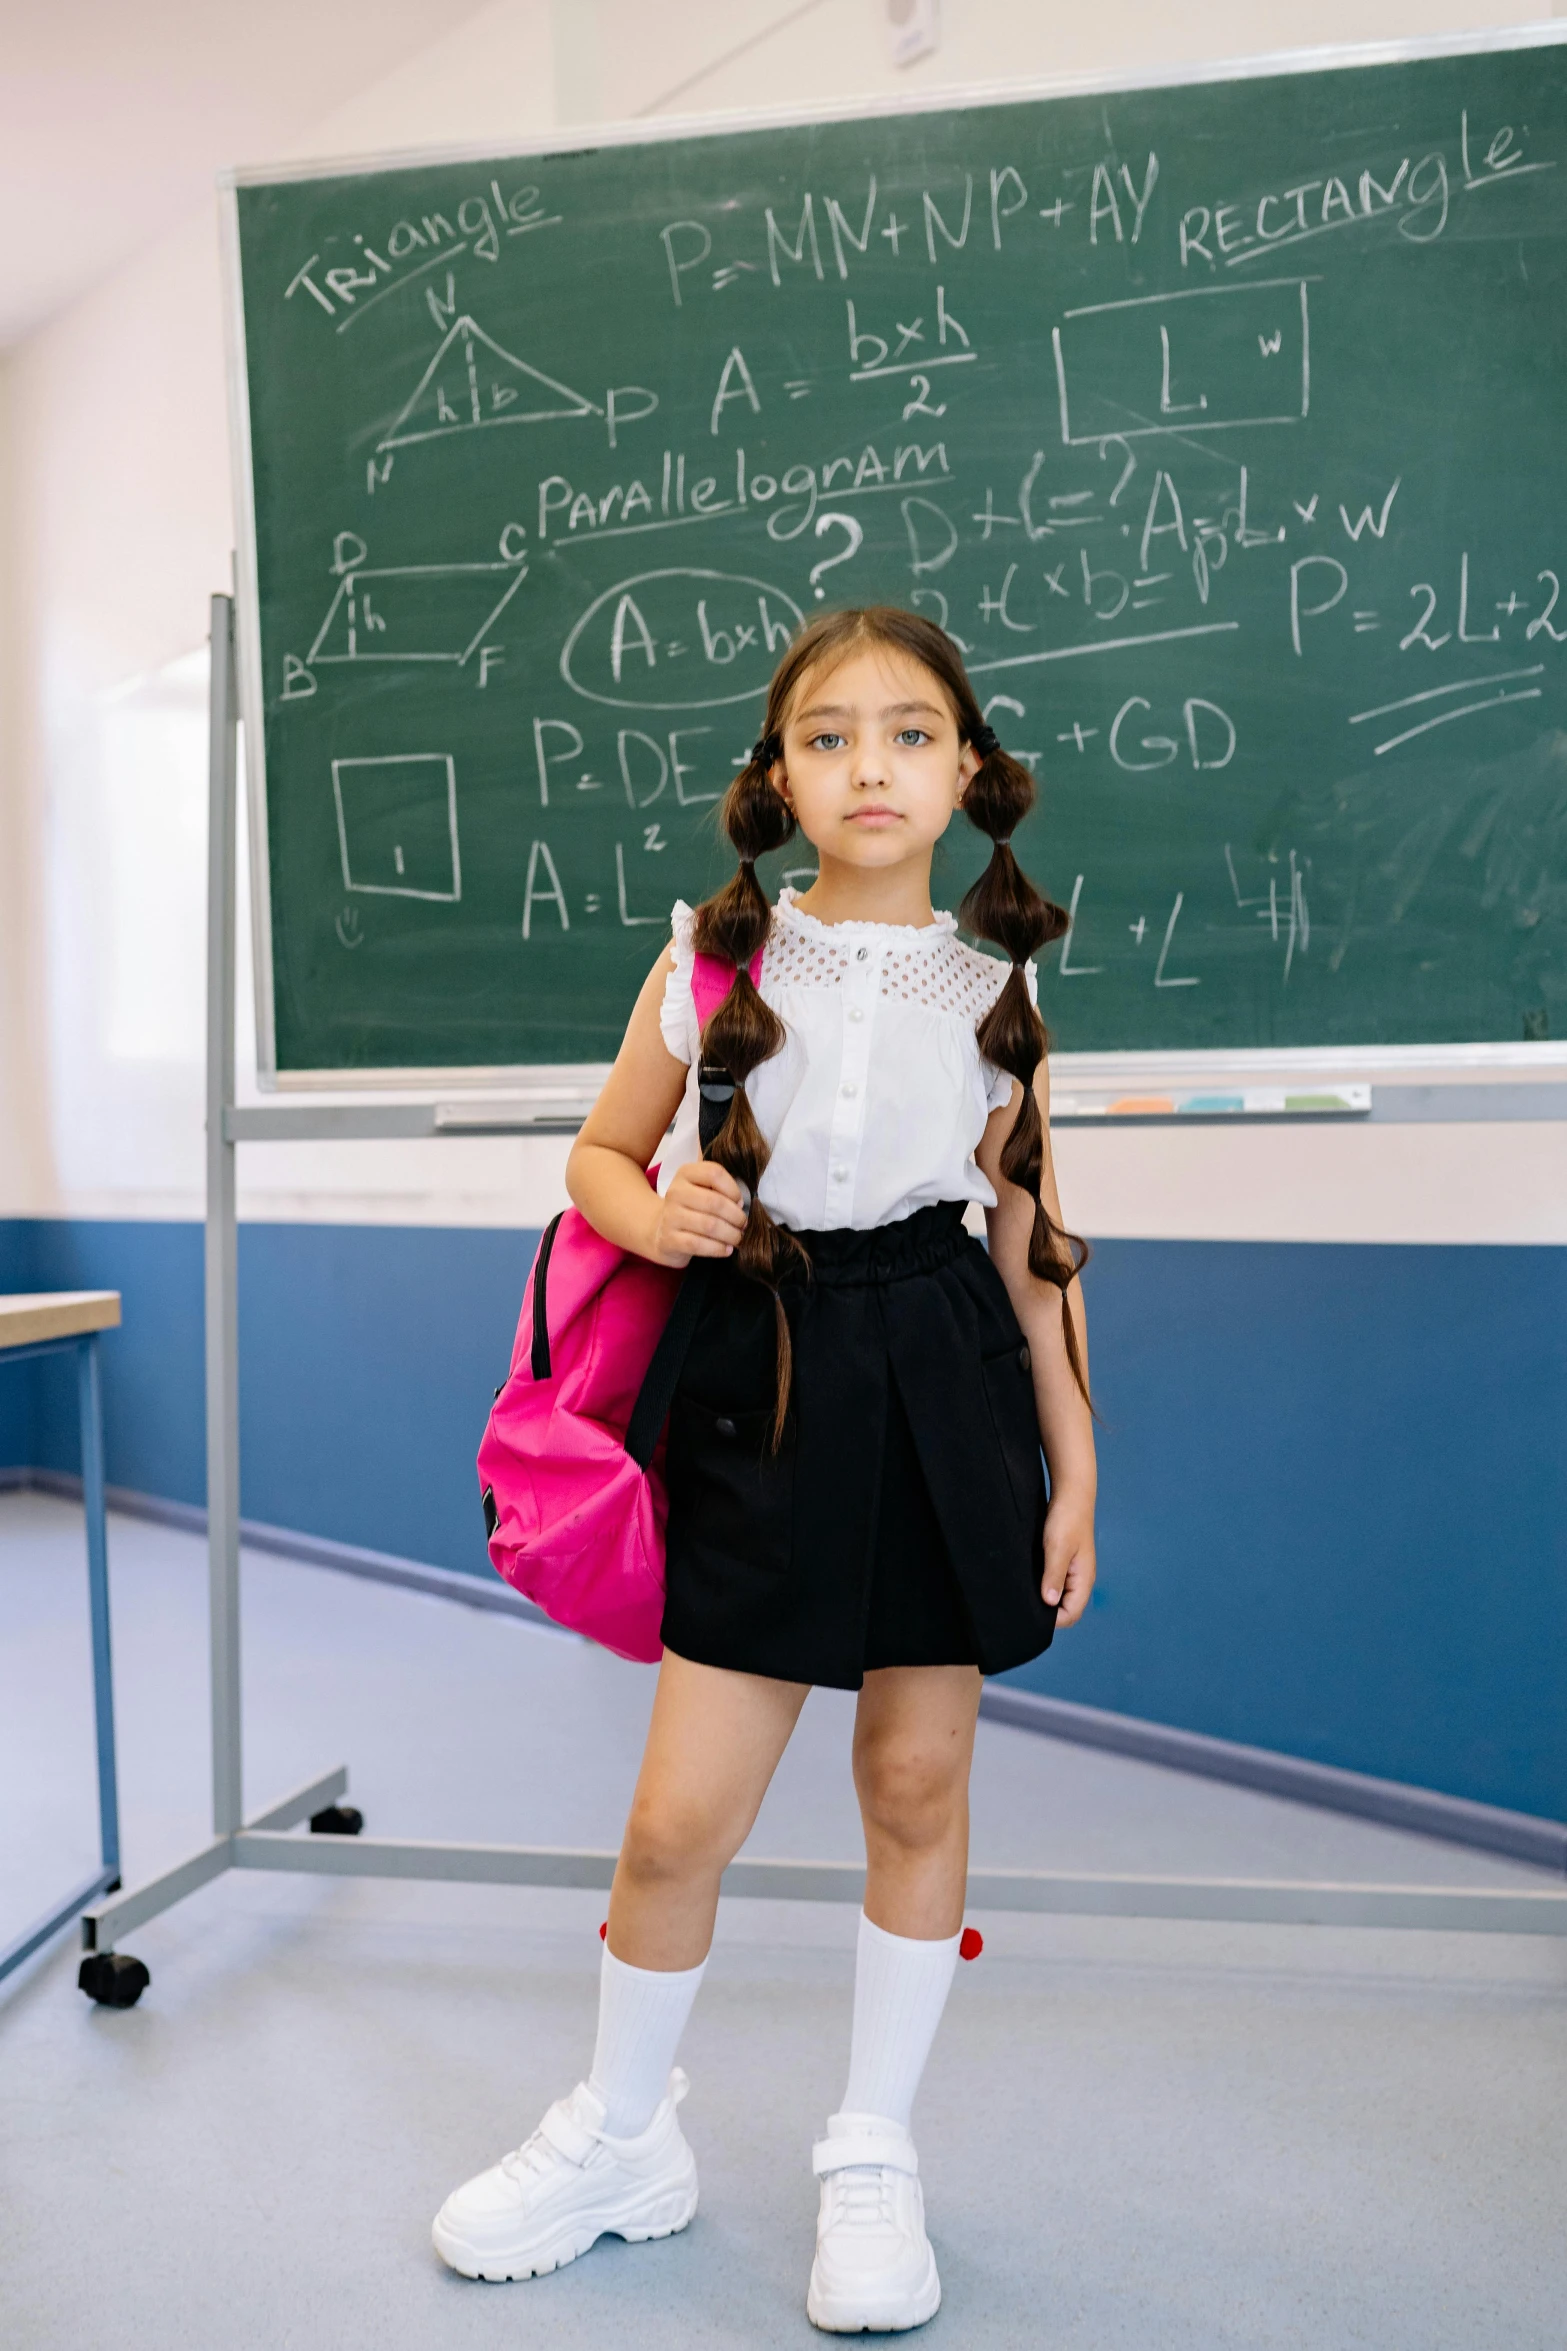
913 28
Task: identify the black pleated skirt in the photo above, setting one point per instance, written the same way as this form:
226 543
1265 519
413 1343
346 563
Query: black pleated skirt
901 1520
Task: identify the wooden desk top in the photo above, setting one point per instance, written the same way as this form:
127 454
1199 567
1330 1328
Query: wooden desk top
26 1316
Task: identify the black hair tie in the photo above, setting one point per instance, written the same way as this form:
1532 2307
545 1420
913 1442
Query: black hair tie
715 1090
985 741
766 751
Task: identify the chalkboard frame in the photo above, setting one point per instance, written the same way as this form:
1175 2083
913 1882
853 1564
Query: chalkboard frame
576 1084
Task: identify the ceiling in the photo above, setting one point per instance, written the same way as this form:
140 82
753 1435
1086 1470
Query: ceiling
115 114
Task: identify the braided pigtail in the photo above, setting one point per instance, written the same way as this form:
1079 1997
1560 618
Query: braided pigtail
744 1031
1005 906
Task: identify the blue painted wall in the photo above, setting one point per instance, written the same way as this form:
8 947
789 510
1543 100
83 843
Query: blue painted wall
18 1385
1333 1500
1334 1482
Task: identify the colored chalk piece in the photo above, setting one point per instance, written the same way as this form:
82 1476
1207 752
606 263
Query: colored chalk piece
1212 1105
1142 1106
1315 1102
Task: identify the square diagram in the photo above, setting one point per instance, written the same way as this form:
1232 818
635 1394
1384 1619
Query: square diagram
397 825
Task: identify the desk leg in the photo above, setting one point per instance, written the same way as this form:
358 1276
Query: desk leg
90 1397
106 1879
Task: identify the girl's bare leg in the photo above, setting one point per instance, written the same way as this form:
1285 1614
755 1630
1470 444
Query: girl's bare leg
712 1747
913 1743
913 1746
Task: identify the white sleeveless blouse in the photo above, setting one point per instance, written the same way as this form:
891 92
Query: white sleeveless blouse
879 1095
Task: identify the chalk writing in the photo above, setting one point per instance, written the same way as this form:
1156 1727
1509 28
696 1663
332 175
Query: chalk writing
1221 428
626 647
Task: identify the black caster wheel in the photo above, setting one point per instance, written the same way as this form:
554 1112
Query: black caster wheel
113 1978
338 1820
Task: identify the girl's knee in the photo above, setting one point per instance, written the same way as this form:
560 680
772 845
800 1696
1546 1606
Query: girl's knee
910 1790
670 1838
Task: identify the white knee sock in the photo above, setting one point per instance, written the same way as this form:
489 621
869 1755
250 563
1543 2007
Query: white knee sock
642 2014
900 1990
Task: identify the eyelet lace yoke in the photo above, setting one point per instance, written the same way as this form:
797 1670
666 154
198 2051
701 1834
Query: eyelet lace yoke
928 966
877 1101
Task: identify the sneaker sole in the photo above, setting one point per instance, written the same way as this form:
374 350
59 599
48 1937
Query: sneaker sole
664 2218
836 2314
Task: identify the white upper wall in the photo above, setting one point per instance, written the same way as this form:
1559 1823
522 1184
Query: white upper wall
154 99
116 526
23 1169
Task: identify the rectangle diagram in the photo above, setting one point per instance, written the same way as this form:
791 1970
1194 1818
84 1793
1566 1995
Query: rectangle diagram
415 612
1204 360
397 825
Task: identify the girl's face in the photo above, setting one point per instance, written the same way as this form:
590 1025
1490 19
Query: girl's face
872 764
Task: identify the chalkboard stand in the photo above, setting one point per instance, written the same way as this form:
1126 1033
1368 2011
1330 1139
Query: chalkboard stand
335 1847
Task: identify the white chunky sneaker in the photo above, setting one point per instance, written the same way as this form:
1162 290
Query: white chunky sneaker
874 2271
569 2185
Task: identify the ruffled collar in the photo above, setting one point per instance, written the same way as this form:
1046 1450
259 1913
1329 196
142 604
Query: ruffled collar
917 934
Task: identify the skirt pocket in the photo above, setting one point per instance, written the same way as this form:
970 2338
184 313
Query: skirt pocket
1009 1392
729 1497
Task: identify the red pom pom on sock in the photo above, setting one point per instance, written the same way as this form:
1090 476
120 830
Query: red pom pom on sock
604 1932
970 1943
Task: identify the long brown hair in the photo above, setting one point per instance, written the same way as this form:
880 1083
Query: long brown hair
1003 905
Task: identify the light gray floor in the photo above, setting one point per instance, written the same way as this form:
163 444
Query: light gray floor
1169 2136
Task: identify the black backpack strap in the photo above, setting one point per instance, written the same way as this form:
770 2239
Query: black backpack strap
657 1391
539 1359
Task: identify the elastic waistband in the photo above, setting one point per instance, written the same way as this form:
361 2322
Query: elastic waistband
917 1243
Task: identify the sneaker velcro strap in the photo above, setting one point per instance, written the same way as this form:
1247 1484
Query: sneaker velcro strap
566 2134
848 2154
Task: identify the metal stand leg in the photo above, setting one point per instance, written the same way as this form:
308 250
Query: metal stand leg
222 1267
111 1977
90 1395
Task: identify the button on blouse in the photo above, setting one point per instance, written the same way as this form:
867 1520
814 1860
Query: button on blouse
875 1103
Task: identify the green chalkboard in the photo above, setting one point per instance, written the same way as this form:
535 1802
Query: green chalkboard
1224 424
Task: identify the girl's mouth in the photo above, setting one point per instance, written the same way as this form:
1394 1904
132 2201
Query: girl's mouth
876 816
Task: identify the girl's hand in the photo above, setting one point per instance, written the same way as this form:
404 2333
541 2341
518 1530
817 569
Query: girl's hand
1069 1553
701 1215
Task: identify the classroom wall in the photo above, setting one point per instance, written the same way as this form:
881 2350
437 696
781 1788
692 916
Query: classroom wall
1327 1527
114 474
23 1176
19 1435
1324 1528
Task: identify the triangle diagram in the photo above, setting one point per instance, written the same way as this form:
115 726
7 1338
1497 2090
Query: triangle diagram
471 383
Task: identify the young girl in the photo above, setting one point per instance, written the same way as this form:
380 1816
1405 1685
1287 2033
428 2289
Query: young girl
856 1496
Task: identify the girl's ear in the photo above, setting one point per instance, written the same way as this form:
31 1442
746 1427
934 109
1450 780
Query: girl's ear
969 764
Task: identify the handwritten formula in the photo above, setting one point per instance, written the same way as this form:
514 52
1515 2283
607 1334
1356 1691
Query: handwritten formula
1224 428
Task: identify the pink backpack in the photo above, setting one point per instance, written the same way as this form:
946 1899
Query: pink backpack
571 1466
